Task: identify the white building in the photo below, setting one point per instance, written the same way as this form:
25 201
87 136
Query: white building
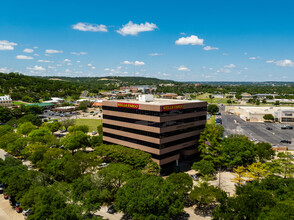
5 101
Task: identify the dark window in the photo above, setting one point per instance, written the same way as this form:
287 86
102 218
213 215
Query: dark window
149 144
154 113
152 134
155 124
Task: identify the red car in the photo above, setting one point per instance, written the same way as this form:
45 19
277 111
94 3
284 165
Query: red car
5 195
18 209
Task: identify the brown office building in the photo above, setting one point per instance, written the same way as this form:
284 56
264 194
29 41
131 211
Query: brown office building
167 129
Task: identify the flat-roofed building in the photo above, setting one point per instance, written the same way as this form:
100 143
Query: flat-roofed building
5 101
167 129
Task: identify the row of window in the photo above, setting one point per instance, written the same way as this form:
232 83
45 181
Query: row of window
152 134
154 113
155 124
149 144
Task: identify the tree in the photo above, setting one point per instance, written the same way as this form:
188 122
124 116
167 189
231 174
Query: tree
17 146
35 152
182 182
40 135
54 126
283 165
264 151
229 101
204 167
83 128
212 109
211 98
257 102
26 128
100 129
4 129
30 118
204 195
240 175
149 197
277 103
75 140
210 144
268 117
5 114
256 171
67 123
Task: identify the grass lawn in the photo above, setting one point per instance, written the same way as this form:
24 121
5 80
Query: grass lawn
92 123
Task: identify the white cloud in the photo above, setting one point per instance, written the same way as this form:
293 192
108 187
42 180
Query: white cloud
53 51
183 68
51 67
270 61
80 53
138 63
225 54
44 61
90 27
155 54
78 61
133 29
230 66
182 33
67 60
35 47
90 64
36 68
69 64
252 58
6 45
193 40
4 70
119 67
67 71
23 57
210 48
93 67
106 69
284 63
28 50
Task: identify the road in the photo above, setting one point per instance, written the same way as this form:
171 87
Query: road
256 130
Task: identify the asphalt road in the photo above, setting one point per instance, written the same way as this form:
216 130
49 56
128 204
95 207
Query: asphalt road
257 131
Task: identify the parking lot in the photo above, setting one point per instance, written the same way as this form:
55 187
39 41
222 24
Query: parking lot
257 131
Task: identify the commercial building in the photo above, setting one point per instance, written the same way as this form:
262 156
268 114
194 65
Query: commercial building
167 129
255 114
5 101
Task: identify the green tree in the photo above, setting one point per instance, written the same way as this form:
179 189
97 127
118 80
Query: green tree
5 114
40 135
75 140
83 128
283 165
210 144
182 182
100 129
204 167
264 151
67 123
54 126
17 146
268 117
212 109
4 129
204 195
26 128
149 197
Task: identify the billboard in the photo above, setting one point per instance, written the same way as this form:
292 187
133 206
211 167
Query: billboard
127 105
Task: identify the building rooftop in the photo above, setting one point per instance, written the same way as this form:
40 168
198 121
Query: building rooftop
5 98
158 102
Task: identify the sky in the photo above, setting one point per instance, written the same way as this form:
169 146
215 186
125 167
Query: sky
182 40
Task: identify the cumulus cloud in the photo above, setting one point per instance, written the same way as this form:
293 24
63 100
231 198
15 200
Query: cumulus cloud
90 64
284 63
183 68
136 63
252 58
4 70
28 50
270 61
107 69
53 51
210 48
133 29
6 45
23 57
230 66
90 27
67 60
36 68
44 61
193 40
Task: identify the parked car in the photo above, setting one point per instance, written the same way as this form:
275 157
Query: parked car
24 212
194 177
286 141
5 195
111 209
269 128
94 132
63 131
289 127
103 165
2 187
18 208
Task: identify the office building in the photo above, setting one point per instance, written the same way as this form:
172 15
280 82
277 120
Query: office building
167 129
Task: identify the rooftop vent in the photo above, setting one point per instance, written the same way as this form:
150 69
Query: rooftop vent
146 98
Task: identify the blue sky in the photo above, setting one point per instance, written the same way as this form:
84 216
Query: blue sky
184 40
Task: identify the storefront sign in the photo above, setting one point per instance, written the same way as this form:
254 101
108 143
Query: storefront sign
127 105
288 114
172 107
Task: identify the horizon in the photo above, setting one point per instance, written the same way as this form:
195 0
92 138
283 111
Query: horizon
205 42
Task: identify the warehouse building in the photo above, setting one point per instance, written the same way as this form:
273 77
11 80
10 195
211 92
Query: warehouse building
167 129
